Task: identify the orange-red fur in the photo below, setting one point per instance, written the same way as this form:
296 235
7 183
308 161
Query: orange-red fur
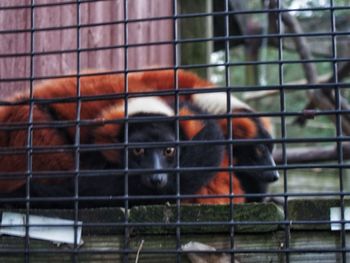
242 128
190 127
220 185
99 111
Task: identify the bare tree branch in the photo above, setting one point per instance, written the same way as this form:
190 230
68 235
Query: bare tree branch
343 72
302 47
318 98
312 154
266 93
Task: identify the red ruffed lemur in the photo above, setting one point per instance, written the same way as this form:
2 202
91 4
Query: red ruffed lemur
140 139
248 181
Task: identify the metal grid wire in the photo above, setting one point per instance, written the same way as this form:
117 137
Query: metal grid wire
125 250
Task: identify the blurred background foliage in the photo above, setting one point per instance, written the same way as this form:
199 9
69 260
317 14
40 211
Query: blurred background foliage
269 74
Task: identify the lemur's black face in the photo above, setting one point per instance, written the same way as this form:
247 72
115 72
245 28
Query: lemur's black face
151 163
257 154
250 155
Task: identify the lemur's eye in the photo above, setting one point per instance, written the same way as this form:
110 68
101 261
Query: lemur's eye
138 151
169 152
259 151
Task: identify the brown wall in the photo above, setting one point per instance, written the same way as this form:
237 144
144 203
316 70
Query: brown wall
15 47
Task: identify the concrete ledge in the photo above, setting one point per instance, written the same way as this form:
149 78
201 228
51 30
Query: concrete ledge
257 217
311 210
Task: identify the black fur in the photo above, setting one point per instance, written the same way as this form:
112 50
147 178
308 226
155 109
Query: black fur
141 184
255 181
201 155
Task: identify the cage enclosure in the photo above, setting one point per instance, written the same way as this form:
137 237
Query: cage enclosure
174 131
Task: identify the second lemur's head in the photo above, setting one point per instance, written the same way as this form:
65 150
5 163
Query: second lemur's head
254 160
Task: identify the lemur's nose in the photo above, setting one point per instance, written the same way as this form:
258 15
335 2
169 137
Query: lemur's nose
158 180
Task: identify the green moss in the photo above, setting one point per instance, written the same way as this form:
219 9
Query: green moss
207 218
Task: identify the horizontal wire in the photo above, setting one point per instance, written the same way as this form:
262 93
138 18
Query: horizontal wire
172 42
277 250
187 15
280 224
168 197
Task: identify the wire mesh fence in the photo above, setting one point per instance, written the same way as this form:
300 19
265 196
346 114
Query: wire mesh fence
174 131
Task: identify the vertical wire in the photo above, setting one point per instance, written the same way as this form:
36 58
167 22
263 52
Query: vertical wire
126 137
29 146
77 136
229 130
262 74
283 131
177 131
339 132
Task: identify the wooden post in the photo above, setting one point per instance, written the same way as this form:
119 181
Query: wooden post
252 50
196 53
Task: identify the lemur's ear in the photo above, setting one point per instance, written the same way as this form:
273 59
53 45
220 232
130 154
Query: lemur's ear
242 128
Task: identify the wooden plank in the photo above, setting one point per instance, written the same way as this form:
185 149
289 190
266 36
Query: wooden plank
317 246
106 242
109 38
307 242
305 246
109 248
147 32
14 67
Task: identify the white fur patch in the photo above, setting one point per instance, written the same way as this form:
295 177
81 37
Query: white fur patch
197 246
216 102
153 105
